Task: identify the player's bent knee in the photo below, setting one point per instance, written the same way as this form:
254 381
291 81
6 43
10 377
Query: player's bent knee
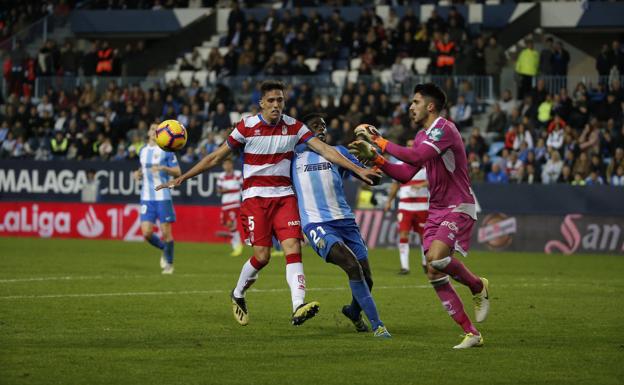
440 264
342 256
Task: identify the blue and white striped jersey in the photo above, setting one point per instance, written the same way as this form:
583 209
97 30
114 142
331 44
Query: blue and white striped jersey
155 156
318 184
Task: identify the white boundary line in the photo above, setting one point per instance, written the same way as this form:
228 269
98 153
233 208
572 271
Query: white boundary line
88 277
188 292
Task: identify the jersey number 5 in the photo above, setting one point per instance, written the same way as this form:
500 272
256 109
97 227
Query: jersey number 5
250 223
315 236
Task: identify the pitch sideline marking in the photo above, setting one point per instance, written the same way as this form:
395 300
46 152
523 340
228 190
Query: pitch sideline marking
188 292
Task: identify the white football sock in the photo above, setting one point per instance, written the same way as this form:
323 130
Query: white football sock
248 276
296 281
236 240
404 255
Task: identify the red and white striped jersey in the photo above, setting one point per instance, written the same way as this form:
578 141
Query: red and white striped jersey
412 198
267 153
230 186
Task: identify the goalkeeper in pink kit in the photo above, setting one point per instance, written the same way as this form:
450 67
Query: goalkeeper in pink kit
438 146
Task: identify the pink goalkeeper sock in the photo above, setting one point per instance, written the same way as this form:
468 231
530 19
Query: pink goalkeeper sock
453 267
453 305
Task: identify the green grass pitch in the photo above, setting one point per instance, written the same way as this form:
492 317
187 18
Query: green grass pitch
99 312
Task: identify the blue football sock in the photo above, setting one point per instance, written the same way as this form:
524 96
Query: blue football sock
362 294
355 307
169 252
276 244
156 242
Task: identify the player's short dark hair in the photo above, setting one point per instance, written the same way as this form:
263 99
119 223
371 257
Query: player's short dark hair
270 85
432 92
313 115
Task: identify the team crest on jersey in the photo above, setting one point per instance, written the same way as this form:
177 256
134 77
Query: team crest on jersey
284 130
257 132
435 134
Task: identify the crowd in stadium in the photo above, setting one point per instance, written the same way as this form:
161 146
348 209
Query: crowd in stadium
540 137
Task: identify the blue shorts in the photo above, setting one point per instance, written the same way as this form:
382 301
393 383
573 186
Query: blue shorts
322 236
161 210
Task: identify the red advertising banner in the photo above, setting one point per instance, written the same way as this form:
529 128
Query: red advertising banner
103 221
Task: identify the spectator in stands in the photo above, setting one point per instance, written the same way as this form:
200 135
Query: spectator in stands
590 137
507 102
105 56
545 58
494 56
616 58
69 59
616 161
560 60
221 118
435 23
59 145
603 64
555 138
523 136
552 168
497 123
617 179
593 179
597 166
461 113
445 52
578 180
497 175
566 175
513 168
582 165
526 68
544 111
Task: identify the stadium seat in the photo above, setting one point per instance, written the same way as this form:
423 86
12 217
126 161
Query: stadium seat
353 76
235 117
312 63
186 77
386 76
338 78
355 63
422 64
223 50
201 77
171 75
408 62
204 52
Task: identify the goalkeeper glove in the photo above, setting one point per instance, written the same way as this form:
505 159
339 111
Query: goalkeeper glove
371 135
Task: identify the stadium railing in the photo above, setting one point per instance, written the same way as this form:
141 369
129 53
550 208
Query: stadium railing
555 83
323 84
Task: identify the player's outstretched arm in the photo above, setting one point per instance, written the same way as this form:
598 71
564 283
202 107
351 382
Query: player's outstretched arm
415 156
207 162
365 152
330 153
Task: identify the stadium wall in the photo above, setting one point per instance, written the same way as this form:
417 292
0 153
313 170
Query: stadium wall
40 199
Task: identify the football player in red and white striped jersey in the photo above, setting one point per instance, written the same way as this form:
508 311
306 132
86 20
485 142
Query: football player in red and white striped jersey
412 215
269 206
229 184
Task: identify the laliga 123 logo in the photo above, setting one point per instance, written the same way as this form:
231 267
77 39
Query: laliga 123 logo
90 226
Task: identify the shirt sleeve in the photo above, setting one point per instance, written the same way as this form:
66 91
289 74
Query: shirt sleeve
436 141
236 139
172 161
343 171
304 134
400 172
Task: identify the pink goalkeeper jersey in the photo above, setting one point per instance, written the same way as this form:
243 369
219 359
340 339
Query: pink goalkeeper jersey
440 149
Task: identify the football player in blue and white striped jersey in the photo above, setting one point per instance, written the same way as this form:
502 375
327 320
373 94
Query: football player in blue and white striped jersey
329 224
157 167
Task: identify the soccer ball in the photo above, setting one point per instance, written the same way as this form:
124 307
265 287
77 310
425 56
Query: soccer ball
171 135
